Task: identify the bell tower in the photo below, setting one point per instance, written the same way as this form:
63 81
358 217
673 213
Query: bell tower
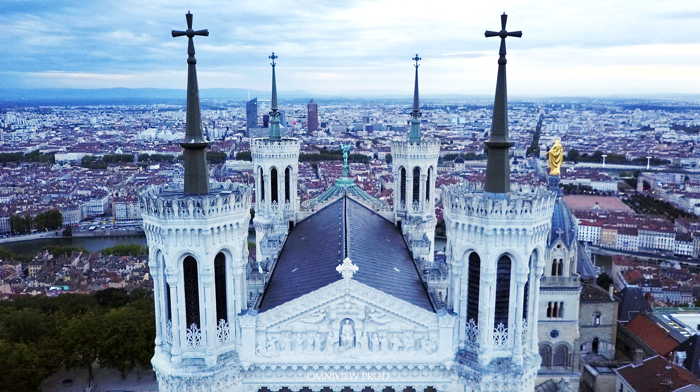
276 170
496 243
197 244
414 165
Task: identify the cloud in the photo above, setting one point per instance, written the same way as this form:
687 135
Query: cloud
349 46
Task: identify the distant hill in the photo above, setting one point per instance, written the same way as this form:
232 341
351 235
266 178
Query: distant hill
121 95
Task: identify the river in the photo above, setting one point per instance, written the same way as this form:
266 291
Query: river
93 244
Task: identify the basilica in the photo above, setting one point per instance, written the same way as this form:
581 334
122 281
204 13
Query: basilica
344 291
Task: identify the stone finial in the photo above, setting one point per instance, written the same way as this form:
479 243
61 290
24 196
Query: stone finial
347 268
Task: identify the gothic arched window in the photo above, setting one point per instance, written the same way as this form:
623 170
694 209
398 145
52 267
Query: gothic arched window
287 183
561 355
262 185
169 307
273 184
554 267
416 183
595 346
191 283
403 186
502 291
549 309
561 310
427 184
546 354
220 286
473 288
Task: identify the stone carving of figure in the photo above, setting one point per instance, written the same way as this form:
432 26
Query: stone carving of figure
346 337
555 157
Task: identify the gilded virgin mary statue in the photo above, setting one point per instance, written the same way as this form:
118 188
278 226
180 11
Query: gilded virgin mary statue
555 157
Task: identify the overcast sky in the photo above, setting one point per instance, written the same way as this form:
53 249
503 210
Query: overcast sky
572 48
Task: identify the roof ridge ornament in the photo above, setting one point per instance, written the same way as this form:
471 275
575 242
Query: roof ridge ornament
498 165
196 172
347 269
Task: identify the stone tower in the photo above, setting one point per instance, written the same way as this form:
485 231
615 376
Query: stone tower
414 163
197 242
276 169
496 243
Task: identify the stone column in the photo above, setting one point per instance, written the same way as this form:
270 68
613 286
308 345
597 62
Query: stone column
422 190
231 294
178 313
256 176
268 188
487 300
535 298
156 272
207 312
516 331
409 190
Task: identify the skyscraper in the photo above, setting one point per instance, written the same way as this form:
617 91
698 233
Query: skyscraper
251 114
312 116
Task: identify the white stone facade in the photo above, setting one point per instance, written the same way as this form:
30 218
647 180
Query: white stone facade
180 228
502 240
276 204
415 170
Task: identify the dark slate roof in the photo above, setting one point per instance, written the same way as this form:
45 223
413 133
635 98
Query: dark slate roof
344 228
563 224
632 302
592 293
692 351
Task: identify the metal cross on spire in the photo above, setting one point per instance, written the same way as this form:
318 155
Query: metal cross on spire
196 171
498 166
274 113
414 135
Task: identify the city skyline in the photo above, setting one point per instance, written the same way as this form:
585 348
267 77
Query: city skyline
359 48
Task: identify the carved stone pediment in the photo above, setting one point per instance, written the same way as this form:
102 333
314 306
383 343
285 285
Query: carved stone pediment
345 319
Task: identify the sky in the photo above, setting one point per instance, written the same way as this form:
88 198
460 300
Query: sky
356 48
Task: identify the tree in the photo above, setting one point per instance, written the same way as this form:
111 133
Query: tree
244 156
216 156
138 324
604 280
112 298
26 325
388 158
573 155
126 250
49 220
21 365
21 224
82 338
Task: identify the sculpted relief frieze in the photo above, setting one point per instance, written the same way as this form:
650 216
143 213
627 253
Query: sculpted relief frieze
346 327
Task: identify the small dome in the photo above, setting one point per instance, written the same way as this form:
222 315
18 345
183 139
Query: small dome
563 225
